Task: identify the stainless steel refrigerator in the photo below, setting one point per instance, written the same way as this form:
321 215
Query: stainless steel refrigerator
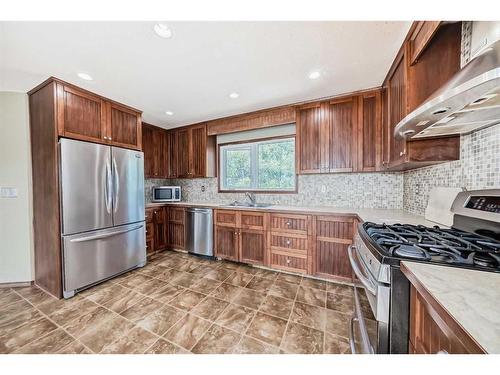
102 212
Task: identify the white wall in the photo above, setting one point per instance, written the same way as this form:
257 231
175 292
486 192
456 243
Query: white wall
16 240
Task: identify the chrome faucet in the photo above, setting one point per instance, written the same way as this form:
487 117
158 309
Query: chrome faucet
251 197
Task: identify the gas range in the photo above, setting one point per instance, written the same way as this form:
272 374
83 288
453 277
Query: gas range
473 241
451 246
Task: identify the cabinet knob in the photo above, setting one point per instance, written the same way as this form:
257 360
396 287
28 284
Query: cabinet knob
288 223
288 260
288 242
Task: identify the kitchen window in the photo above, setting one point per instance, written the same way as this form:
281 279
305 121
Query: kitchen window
267 165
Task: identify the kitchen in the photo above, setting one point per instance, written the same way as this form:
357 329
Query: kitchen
358 219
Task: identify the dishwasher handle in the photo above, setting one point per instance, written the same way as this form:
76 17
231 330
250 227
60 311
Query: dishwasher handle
205 211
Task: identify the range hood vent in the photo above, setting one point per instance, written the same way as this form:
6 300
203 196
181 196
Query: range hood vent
469 101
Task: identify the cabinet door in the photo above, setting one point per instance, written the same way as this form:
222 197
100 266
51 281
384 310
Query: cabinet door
396 96
80 115
226 243
157 153
160 238
332 237
148 149
252 245
309 140
342 124
183 144
370 132
124 126
198 151
170 148
176 235
430 333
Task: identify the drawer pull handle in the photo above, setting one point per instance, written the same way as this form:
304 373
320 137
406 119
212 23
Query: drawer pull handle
288 242
288 260
288 223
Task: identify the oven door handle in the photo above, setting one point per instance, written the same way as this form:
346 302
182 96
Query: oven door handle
352 343
357 271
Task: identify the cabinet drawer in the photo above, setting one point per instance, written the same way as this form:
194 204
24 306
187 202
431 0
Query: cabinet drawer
252 220
289 223
289 242
226 218
176 215
288 262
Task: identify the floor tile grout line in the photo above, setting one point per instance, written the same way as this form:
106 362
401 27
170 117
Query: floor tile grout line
232 271
134 323
52 321
289 318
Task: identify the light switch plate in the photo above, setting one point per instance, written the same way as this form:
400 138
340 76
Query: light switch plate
8 192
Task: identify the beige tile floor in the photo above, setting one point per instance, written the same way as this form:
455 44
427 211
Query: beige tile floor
180 303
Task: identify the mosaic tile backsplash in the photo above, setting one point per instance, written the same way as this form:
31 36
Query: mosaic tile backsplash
358 190
478 168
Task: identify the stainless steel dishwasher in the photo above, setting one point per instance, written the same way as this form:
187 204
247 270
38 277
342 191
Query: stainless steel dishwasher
199 231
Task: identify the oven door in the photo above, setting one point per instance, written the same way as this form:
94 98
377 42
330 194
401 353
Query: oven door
369 323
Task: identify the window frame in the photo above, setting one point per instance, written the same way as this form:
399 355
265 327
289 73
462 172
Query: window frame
258 191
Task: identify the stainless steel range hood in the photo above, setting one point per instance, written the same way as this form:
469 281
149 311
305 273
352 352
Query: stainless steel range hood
470 100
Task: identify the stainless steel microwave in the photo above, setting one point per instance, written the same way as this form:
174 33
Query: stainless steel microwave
166 194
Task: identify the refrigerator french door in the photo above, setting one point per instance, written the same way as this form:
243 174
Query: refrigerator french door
102 206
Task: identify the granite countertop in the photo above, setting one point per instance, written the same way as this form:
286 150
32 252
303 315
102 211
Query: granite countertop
365 214
470 297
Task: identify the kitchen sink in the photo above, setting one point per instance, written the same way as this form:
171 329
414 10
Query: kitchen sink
252 205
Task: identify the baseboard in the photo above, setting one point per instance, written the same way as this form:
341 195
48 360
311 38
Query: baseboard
16 285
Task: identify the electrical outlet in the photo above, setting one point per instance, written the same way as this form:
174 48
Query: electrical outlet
8 192
203 188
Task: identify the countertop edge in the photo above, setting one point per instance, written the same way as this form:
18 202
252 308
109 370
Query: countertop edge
437 305
378 215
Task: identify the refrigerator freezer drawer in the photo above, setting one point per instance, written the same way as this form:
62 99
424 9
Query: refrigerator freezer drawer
94 256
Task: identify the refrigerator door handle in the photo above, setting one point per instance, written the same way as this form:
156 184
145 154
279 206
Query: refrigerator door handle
108 188
106 235
116 185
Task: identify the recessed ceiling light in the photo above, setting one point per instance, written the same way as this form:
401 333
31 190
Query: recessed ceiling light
234 95
162 30
314 75
85 76
170 113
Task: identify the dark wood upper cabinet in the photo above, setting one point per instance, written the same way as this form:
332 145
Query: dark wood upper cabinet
195 156
342 119
429 57
309 158
340 135
198 154
183 157
153 144
89 117
147 145
171 154
80 114
124 126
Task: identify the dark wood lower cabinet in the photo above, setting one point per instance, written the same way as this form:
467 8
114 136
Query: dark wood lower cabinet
176 217
432 329
176 236
159 220
226 242
332 236
252 245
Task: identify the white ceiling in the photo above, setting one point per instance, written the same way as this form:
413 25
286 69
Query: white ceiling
192 73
